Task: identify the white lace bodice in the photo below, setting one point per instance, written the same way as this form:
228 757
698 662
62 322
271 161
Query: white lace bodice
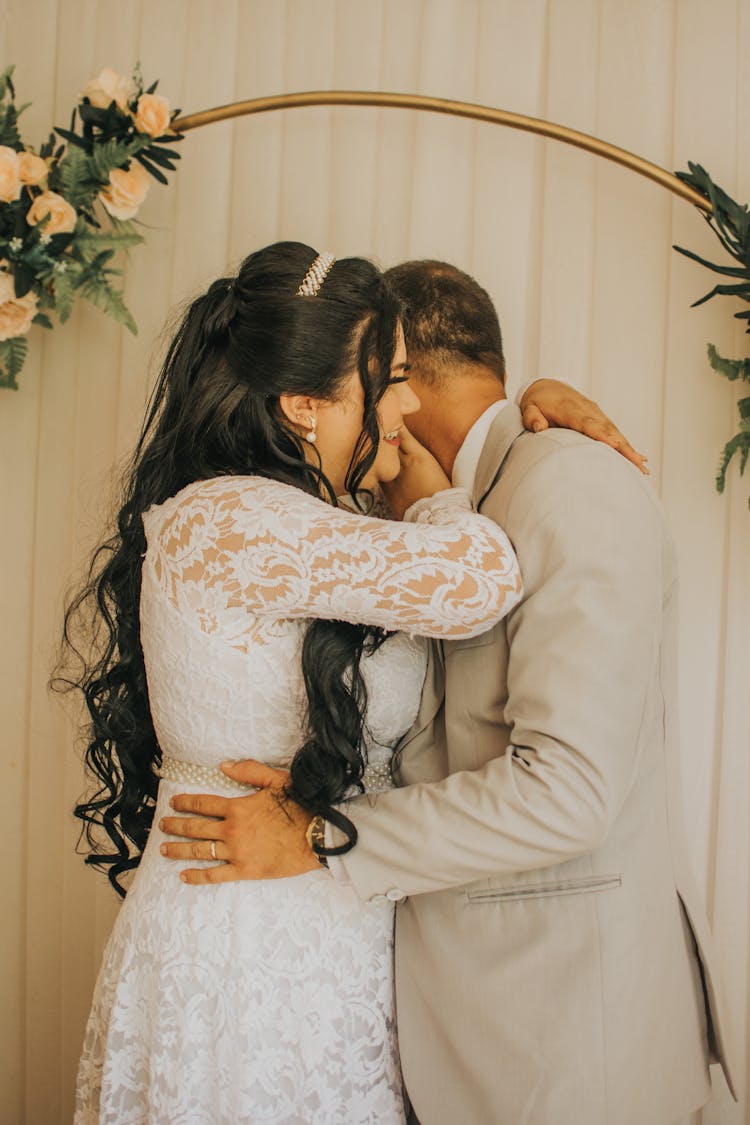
236 566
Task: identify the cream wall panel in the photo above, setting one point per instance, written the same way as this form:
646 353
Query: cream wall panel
304 185
577 256
696 406
632 253
19 429
505 255
569 206
396 131
258 141
75 447
729 873
201 225
352 201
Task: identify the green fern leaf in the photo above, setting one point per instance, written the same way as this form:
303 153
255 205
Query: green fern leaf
12 358
113 154
6 83
76 180
119 237
65 285
9 134
731 369
110 301
738 444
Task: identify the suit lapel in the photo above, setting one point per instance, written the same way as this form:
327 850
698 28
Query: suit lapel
432 693
503 432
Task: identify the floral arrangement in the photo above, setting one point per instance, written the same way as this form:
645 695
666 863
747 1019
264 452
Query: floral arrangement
730 222
66 209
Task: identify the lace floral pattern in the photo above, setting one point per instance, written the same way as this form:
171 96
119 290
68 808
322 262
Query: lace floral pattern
270 1002
242 554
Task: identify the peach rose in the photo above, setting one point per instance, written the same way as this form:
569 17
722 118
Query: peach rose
126 190
108 86
16 313
62 217
32 169
152 115
10 176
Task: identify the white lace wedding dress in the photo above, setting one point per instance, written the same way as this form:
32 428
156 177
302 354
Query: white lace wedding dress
270 1001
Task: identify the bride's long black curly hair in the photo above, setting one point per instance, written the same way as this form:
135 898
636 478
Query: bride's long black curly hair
215 411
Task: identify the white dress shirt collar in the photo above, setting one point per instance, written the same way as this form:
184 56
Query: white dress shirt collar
467 458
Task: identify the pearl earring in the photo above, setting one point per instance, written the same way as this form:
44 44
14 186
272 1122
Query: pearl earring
311 435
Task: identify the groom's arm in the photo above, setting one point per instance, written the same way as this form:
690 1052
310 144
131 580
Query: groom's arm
583 660
584 642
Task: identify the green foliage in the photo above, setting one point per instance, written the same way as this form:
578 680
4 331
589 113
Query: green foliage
740 443
6 83
110 301
74 180
730 222
9 114
64 288
12 358
730 368
58 268
121 236
115 154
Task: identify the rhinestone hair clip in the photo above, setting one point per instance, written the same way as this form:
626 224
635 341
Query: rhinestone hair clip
316 275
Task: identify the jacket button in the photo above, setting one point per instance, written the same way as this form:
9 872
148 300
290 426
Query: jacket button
378 898
394 895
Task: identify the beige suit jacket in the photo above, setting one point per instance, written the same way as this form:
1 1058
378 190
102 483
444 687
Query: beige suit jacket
554 963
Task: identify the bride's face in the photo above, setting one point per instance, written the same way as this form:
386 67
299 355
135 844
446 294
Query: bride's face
339 425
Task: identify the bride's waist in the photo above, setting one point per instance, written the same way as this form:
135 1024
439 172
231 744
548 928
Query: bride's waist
200 774
376 776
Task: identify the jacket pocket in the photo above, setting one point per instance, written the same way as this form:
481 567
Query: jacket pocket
585 885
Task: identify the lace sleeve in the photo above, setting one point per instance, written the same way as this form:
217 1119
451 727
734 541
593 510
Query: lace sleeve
236 551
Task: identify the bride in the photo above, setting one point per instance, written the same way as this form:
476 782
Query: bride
245 611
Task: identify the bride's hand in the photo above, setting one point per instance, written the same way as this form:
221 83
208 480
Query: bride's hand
550 403
420 475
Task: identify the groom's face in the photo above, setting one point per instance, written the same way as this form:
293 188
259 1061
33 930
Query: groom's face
422 422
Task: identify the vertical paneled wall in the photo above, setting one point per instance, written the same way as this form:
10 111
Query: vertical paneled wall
577 254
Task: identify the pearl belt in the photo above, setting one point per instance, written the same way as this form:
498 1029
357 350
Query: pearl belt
195 773
376 777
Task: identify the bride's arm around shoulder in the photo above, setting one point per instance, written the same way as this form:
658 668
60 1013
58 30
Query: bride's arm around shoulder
276 552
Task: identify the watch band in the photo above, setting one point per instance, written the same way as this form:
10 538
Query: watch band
316 838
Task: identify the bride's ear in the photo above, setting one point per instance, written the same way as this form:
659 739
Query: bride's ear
298 409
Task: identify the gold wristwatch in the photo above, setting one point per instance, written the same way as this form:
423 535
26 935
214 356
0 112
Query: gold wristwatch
316 838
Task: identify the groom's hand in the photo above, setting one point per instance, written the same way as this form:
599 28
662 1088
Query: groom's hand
261 836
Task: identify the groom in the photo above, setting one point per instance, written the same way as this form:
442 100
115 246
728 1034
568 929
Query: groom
554 964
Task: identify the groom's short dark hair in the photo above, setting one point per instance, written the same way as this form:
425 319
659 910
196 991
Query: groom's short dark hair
448 318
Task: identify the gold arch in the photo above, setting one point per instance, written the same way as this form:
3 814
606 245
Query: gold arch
456 109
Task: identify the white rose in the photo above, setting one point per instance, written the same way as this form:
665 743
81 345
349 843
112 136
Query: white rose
107 87
10 175
62 217
152 115
16 313
32 169
126 191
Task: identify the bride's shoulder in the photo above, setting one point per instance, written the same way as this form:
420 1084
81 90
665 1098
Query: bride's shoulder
230 497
